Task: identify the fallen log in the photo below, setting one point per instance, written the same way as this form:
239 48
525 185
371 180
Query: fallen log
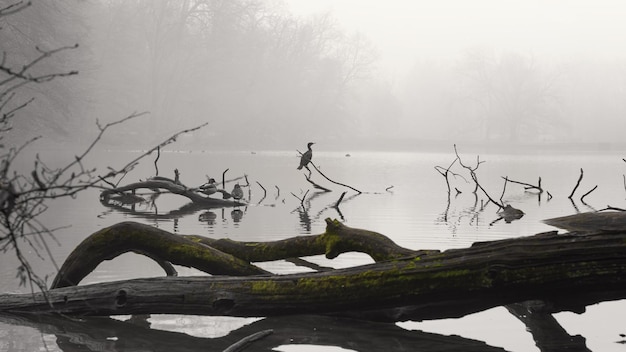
173 187
569 270
218 257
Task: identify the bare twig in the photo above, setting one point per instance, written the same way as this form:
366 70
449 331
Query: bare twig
301 199
528 185
577 184
584 195
445 171
315 185
14 8
156 160
609 207
264 190
506 180
340 199
335 182
224 178
472 171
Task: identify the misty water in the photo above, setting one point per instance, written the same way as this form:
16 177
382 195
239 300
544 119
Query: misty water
403 197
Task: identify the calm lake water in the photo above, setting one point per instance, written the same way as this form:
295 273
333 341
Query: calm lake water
403 197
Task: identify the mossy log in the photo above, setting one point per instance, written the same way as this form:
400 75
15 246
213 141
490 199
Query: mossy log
175 188
570 270
218 257
152 242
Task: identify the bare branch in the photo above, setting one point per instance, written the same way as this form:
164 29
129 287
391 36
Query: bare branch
577 184
14 8
337 183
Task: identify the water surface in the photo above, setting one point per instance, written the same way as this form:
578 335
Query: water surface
403 197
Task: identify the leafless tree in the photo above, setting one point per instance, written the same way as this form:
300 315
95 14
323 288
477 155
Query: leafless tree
24 196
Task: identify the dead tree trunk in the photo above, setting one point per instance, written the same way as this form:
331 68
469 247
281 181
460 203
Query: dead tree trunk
570 270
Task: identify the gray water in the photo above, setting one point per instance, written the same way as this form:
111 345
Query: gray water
403 197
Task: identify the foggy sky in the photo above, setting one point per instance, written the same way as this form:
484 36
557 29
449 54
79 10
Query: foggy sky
577 46
406 31
347 74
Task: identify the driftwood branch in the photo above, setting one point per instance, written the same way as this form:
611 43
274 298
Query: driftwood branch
580 178
315 185
335 182
586 194
472 171
528 186
445 171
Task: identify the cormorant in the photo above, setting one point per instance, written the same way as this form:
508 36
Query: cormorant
237 192
305 159
209 188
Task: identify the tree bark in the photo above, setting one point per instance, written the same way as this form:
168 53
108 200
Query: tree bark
153 242
570 270
218 257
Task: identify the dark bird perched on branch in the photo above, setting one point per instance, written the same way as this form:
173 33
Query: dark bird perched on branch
305 159
237 192
209 187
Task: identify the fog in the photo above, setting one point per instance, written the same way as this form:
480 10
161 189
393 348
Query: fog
346 74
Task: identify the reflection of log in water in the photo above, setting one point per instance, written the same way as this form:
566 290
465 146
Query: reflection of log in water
75 335
548 334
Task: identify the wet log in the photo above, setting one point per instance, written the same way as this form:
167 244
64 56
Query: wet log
591 222
152 242
218 257
337 239
570 270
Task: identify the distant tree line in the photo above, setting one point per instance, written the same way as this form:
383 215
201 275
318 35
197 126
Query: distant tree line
242 62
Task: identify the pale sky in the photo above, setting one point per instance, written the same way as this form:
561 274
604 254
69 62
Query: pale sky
409 30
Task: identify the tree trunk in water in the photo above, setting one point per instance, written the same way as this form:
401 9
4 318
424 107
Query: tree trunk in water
570 271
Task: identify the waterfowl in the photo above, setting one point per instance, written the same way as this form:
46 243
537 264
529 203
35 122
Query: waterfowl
237 192
209 187
305 159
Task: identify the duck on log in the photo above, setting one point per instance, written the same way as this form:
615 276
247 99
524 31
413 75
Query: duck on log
196 195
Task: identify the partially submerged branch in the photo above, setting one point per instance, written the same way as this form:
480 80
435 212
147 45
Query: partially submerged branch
416 287
335 182
155 243
472 171
577 184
